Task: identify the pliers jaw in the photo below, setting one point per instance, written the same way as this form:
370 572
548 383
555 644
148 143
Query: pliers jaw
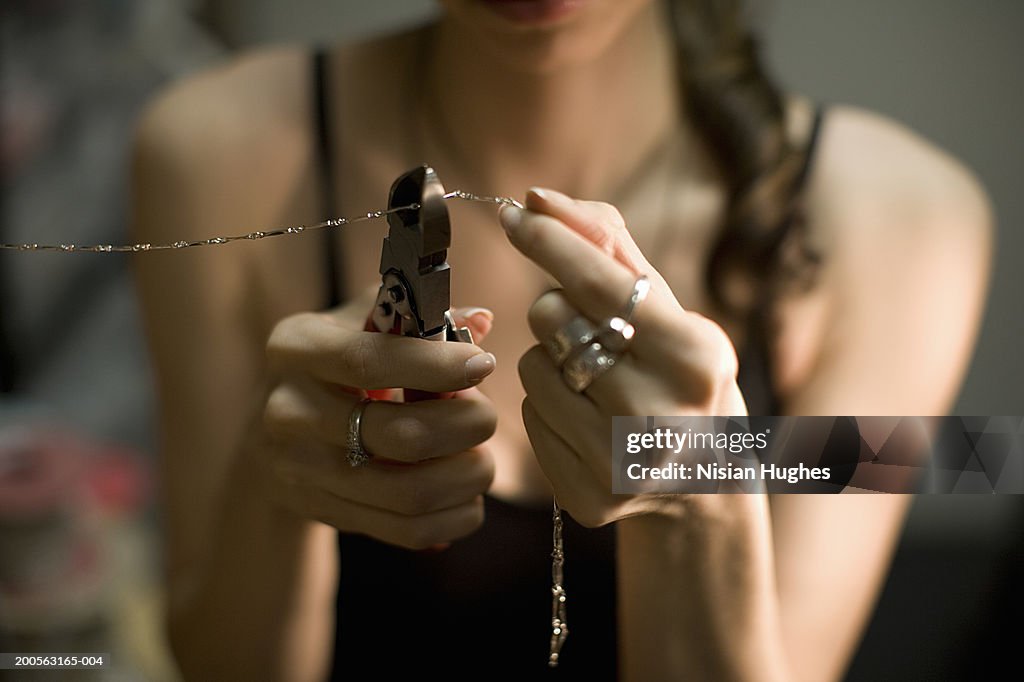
415 293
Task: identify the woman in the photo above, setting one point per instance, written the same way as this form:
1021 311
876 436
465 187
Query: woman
865 302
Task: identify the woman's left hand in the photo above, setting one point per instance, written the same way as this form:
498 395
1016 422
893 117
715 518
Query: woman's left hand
678 363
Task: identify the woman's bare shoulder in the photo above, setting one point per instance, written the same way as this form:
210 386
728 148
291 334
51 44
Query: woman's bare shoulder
224 152
892 203
261 86
906 233
880 174
248 124
232 149
235 125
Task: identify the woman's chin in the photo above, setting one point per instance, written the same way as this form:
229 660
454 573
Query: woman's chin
542 36
534 12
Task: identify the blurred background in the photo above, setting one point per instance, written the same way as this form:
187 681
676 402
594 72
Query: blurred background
79 510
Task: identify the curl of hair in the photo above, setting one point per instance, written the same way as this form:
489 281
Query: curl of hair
762 246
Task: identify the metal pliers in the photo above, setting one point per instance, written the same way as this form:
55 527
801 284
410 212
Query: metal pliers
415 292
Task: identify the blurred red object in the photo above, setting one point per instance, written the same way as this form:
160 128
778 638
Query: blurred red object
55 487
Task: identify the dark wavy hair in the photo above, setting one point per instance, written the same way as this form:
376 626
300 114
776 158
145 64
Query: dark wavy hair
762 248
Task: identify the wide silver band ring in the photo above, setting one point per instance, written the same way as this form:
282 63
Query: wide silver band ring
355 453
585 365
616 334
576 333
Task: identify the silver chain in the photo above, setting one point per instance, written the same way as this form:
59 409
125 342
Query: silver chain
559 624
250 236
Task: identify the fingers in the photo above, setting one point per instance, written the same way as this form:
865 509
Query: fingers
638 378
411 432
597 284
311 411
423 486
584 419
552 312
552 398
412 532
601 224
404 489
574 484
479 321
414 505
326 348
597 222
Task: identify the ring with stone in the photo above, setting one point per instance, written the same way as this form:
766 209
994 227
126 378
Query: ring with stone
576 333
355 453
586 364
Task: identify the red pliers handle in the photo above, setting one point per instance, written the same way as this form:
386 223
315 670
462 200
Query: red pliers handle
415 292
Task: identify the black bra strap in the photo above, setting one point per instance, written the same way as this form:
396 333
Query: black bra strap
322 126
756 360
811 147
322 129
8 359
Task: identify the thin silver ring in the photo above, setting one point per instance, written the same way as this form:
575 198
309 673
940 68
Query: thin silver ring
355 453
576 333
641 288
586 365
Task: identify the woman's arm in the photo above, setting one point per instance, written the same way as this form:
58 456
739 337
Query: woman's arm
912 234
696 581
735 586
786 595
250 587
257 394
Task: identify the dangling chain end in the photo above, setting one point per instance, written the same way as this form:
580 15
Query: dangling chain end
559 624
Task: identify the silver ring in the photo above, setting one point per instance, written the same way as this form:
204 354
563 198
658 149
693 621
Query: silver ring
616 334
641 287
584 366
355 453
575 333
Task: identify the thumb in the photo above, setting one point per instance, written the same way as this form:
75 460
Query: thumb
479 321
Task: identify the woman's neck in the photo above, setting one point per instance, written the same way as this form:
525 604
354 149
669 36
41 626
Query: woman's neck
582 128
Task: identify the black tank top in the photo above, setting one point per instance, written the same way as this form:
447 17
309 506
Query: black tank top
481 609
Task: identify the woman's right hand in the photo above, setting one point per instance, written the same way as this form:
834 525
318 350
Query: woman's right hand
429 468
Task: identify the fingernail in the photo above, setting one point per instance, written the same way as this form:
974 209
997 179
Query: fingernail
510 217
439 547
551 196
479 320
479 366
467 313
